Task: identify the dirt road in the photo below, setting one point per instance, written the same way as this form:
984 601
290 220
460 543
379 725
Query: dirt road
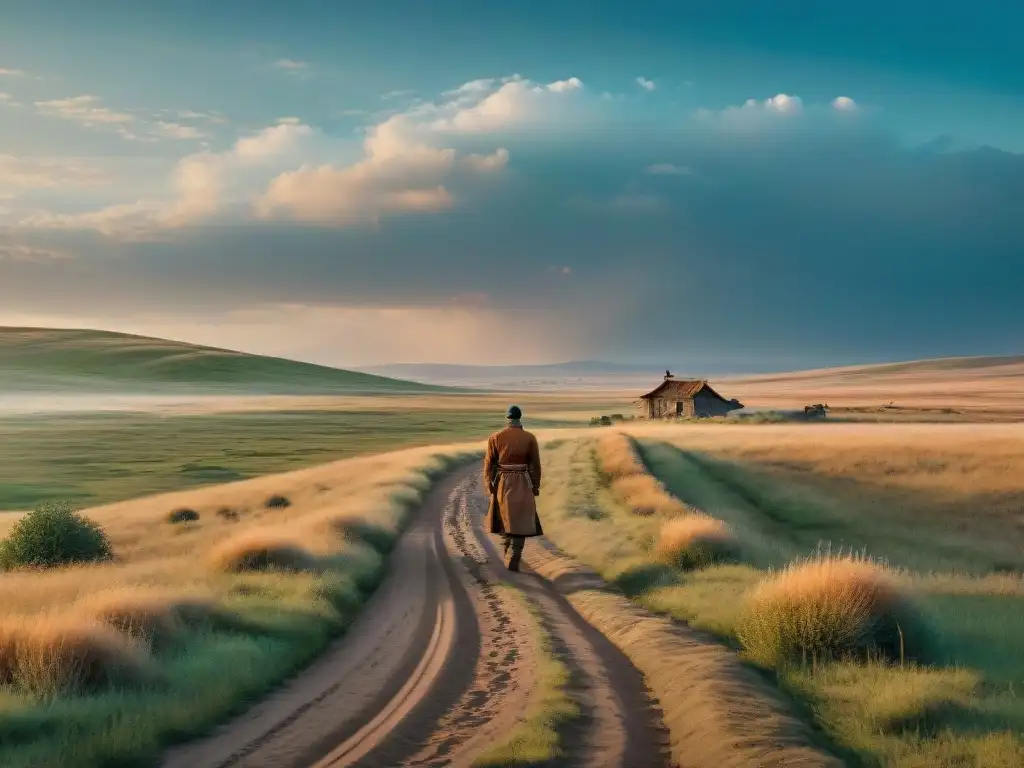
441 664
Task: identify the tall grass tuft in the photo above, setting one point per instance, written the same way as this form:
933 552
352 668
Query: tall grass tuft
262 550
49 656
617 457
829 607
149 616
696 541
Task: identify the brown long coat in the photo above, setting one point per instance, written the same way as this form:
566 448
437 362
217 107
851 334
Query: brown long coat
512 478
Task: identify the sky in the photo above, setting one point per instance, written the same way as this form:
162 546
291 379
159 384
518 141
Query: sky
731 186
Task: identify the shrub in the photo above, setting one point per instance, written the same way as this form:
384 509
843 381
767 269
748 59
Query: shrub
262 551
48 656
182 515
277 502
53 535
695 541
830 607
227 513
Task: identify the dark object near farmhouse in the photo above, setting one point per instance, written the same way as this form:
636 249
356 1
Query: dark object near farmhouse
816 411
685 398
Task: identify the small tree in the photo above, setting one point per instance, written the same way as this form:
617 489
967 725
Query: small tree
53 535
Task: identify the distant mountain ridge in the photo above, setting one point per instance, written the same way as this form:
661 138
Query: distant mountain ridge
34 360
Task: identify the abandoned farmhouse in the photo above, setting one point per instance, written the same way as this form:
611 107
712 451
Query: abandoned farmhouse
685 398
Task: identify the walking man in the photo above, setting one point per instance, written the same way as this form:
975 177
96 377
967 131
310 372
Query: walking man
512 479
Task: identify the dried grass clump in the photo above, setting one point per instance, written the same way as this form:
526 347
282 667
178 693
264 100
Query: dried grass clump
228 513
277 502
50 656
695 541
148 615
182 515
830 607
645 496
262 551
617 457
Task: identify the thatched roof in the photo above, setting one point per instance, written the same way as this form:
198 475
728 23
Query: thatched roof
681 389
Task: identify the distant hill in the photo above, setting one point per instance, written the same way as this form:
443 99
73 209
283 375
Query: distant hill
577 373
33 360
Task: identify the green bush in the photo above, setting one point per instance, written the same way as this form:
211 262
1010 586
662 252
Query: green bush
277 502
53 535
182 515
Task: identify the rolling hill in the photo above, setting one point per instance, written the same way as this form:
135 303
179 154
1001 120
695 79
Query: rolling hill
34 360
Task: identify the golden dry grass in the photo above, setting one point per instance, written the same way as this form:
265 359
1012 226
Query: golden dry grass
695 541
829 607
617 457
198 609
634 486
52 655
960 480
262 550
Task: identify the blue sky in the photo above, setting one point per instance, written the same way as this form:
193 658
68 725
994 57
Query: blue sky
725 185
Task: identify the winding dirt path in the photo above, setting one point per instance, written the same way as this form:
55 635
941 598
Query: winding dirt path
440 665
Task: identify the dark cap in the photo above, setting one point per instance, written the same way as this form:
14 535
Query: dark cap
514 412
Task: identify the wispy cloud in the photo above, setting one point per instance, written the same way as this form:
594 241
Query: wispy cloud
294 67
668 169
88 111
13 72
20 252
47 172
647 85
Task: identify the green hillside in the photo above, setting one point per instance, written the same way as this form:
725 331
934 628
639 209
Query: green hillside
83 361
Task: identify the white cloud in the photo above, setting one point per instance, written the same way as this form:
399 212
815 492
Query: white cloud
517 103
844 104
493 162
84 110
668 169
647 85
12 72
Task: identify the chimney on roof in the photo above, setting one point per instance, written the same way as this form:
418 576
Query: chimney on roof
668 374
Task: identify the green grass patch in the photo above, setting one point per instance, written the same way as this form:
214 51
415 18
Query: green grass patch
99 458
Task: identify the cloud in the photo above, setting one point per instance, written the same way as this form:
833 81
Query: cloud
844 104
647 85
84 110
12 72
47 173
28 254
293 67
668 169
803 226
87 111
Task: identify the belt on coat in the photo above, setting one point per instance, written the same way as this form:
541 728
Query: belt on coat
513 468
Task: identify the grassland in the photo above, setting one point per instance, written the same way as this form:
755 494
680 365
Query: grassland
913 495
191 631
95 458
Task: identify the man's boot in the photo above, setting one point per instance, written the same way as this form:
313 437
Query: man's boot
517 552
